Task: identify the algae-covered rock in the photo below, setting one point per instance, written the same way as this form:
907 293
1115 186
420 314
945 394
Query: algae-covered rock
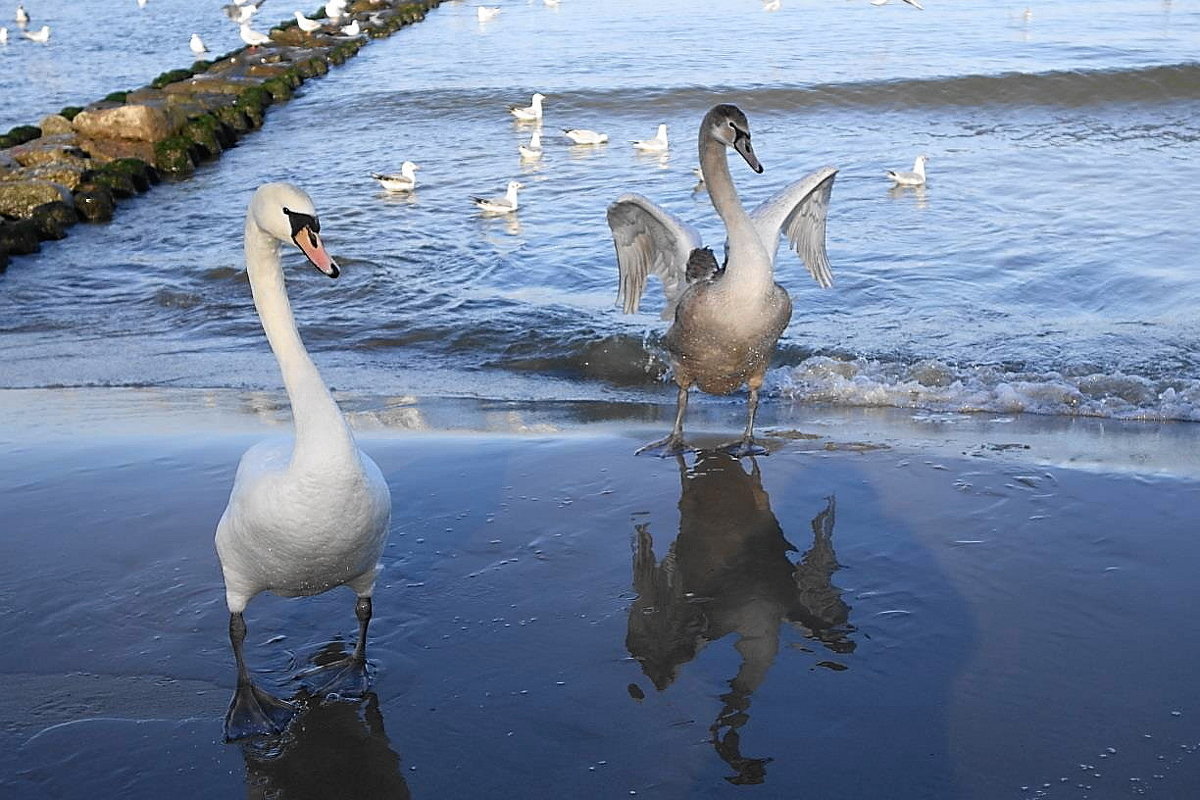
143 123
173 157
205 132
18 237
19 198
53 219
94 203
20 135
171 77
65 173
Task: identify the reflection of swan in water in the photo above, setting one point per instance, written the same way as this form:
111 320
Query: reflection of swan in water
728 572
305 514
333 750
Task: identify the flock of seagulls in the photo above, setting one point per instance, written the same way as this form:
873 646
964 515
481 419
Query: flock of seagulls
22 18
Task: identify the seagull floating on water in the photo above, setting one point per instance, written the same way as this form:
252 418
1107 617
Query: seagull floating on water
252 37
914 178
3 35
656 145
403 181
197 44
500 205
305 24
22 15
486 13
584 136
912 3
531 112
40 35
533 150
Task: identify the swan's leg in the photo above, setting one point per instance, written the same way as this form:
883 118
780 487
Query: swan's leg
746 446
252 711
349 676
672 444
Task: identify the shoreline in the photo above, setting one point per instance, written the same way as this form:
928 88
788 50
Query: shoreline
1088 443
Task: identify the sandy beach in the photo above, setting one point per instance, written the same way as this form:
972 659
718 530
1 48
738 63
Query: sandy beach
890 604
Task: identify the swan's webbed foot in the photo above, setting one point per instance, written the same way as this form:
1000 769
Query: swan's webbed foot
666 447
743 448
348 678
255 712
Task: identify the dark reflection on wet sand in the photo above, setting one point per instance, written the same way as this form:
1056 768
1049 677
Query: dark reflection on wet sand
729 572
333 749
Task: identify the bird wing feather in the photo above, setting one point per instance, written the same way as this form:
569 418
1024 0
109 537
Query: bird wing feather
798 211
650 241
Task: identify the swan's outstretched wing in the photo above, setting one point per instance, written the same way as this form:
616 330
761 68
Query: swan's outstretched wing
650 241
798 212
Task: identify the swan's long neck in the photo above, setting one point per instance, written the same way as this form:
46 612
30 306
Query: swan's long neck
321 432
749 263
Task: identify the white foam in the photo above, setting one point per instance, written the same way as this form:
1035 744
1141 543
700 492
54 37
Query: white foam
937 386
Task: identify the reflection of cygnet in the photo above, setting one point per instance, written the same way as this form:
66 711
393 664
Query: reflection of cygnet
728 572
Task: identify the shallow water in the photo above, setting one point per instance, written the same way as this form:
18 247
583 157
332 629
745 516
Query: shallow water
830 621
1046 266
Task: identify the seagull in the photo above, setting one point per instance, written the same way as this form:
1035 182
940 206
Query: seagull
533 150
912 3
252 37
22 15
3 35
771 5
531 112
584 136
305 24
335 9
403 181
353 29
500 205
914 178
197 44
42 35
241 12
656 145
486 13
141 3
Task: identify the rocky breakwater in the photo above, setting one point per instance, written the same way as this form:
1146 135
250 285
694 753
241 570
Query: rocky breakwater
79 164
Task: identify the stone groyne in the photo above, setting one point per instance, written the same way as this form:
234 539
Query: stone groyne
79 164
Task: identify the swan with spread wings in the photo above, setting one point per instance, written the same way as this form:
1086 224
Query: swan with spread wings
726 318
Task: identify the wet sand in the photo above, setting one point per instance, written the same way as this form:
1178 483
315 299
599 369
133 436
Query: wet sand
891 604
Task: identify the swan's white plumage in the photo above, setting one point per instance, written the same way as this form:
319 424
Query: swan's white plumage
310 512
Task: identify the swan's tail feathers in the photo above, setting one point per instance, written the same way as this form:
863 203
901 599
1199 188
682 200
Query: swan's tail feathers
702 265
649 241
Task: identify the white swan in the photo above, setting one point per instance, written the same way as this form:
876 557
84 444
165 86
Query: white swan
585 136
658 144
305 514
403 181
305 24
533 150
252 37
914 178
197 44
531 112
501 205
726 319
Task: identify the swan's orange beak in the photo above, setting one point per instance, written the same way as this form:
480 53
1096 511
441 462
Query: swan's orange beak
310 244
